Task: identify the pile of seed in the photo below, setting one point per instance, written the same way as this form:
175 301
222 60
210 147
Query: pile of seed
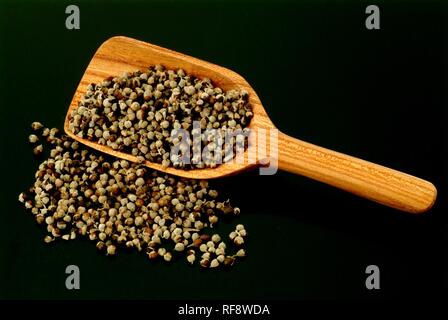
80 192
142 113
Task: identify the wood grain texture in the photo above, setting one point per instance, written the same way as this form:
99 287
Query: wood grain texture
121 54
374 182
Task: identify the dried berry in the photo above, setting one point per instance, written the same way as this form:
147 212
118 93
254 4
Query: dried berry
116 203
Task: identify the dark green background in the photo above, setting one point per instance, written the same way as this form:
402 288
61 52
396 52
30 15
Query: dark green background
322 76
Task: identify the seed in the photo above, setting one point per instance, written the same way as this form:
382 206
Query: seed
153 255
40 218
189 90
36 126
33 138
28 204
22 197
179 247
79 192
164 124
97 117
239 227
241 253
219 251
55 232
205 237
191 258
211 249
130 206
206 256
138 221
203 247
238 240
139 182
198 225
136 242
166 234
214 263
167 256
38 150
197 243
229 261
222 245
213 219
128 124
161 251
186 235
49 220
210 244
111 250
205 263
100 245
216 238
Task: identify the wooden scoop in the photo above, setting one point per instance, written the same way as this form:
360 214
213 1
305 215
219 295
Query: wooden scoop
366 179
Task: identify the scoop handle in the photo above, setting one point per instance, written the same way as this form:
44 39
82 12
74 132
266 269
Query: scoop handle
372 181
